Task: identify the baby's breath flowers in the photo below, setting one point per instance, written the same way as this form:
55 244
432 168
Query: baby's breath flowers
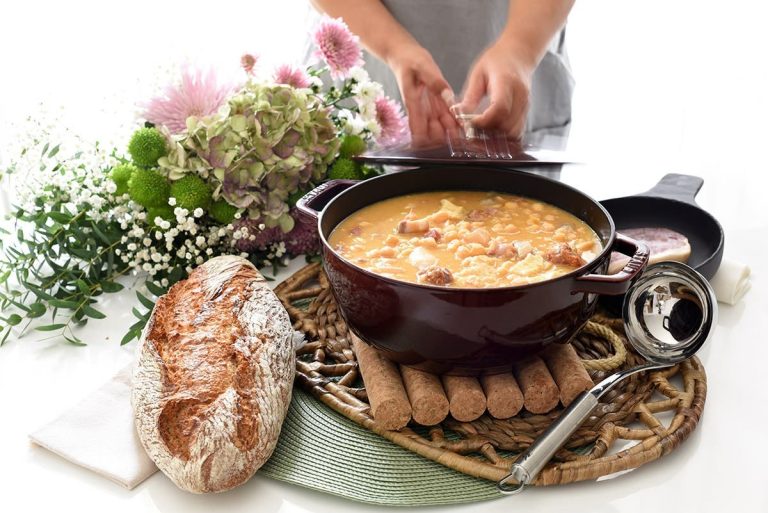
215 169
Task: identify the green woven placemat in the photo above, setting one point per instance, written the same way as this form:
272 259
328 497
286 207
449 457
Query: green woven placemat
324 451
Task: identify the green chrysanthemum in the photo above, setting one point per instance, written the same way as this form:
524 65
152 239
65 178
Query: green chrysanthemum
163 212
344 169
352 145
222 212
149 188
121 175
191 192
147 145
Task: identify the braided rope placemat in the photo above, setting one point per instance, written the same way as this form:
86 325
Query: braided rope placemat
485 448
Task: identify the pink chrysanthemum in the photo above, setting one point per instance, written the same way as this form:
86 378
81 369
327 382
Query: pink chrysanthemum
292 76
337 46
248 62
394 126
197 94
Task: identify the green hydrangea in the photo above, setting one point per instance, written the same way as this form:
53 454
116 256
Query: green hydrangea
191 192
351 146
147 145
163 212
295 196
344 169
269 141
149 188
121 175
222 212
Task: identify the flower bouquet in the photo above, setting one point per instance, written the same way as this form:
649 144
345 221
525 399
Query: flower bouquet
216 169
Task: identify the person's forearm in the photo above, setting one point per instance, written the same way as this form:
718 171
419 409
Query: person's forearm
379 32
532 24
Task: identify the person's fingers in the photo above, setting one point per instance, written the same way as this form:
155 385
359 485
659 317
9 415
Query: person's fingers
474 91
417 119
441 112
498 115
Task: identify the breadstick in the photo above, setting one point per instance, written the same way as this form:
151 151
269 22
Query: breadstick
466 397
540 393
389 402
569 373
425 392
503 395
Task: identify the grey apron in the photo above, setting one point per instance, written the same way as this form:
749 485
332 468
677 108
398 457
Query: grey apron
456 32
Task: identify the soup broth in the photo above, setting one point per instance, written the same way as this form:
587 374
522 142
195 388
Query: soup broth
465 239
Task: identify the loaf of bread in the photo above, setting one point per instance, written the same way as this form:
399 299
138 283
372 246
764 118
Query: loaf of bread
214 376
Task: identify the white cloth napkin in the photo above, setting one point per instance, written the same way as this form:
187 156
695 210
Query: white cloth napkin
731 281
99 434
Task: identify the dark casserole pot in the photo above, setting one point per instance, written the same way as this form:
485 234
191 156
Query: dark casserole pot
466 330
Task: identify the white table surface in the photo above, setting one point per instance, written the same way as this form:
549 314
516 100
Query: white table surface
722 461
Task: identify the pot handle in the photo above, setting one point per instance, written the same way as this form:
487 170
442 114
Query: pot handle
677 187
315 200
615 284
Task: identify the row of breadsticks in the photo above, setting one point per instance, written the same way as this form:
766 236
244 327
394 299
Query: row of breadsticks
398 394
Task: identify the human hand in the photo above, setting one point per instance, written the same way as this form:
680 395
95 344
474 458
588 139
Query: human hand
504 75
426 94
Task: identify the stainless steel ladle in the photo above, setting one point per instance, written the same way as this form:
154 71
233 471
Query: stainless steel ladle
669 313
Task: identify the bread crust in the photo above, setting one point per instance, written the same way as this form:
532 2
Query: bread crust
213 377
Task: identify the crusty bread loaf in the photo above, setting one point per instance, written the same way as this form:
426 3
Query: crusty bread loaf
214 376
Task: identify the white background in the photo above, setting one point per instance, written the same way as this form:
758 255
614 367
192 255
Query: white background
661 86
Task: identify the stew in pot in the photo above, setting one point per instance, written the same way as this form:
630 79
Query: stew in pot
465 239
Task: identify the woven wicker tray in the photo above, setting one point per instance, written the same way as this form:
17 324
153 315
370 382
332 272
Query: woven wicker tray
624 432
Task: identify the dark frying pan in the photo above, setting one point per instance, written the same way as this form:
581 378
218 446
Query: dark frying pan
671 204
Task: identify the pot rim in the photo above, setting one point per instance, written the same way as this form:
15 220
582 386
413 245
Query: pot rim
584 269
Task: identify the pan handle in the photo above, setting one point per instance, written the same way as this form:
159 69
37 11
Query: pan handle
315 200
615 284
677 187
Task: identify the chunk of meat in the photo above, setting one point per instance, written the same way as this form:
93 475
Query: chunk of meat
504 250
564 254
413 226
481 214
434 233
435 275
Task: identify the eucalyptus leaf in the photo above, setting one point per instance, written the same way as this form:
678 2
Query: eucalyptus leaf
50 327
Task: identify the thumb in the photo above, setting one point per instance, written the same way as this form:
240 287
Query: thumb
474 91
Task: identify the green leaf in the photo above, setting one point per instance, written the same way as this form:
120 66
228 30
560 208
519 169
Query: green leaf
132 334
154 288
36 310
4 277
50 327
84 288
60 217
93 313
13 320
54 151
144 301
111 286
75 341
101 234
64 303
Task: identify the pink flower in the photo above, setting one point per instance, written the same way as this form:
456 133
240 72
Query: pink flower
394 126
337 46
292 76
248 62
197 95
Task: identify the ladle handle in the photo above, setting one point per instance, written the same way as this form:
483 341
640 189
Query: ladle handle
529 464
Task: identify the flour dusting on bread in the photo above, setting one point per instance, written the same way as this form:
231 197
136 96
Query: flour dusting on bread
214 376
